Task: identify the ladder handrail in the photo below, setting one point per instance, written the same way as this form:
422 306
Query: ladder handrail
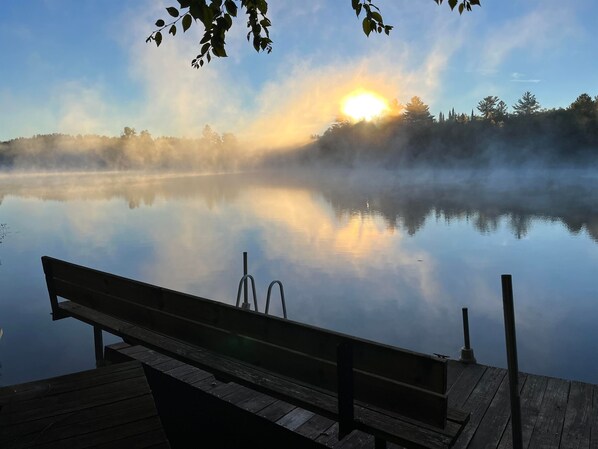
246 305
284 307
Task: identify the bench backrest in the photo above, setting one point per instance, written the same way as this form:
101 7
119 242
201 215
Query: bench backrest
405 382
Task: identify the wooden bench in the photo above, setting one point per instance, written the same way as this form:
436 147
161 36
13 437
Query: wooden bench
391 393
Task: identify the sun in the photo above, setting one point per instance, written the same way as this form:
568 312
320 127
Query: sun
364 105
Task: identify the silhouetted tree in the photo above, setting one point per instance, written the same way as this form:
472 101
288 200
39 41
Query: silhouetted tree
493 109
527 104
128 132
584 106
487 107
416 111
501 112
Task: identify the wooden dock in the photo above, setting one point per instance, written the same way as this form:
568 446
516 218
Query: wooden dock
556 413
114 407
107 407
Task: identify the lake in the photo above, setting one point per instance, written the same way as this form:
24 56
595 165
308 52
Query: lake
386 255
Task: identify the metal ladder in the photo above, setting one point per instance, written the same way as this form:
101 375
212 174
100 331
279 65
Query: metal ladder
243 282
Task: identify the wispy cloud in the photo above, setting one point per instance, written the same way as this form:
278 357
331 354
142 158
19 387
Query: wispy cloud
517 77
535 33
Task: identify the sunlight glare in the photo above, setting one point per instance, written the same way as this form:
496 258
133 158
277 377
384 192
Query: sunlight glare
364 106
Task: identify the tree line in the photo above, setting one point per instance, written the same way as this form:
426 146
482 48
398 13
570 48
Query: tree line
490 135
212 152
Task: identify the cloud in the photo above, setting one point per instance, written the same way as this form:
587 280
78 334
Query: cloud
517 77
83 109
536 32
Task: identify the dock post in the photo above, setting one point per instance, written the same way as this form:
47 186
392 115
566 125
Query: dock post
98 343
466 351
344 370
509 312
245 304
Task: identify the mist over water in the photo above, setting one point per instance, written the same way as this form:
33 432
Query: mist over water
387 255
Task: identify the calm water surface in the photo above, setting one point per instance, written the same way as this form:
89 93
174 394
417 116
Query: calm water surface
387 256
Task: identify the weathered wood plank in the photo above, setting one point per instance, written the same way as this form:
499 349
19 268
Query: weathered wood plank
315 427
70 402
355 440
405 366
495 420
115 434
69 382
454 370
531 397
221 391
329 438
276 410
464 385
147 440
48 427
594 420
548 429
241 395
183 371
406 434
295 418
478 402
257 403
577 425
81 410
96 419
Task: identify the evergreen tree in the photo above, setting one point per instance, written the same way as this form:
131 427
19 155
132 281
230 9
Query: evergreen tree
501 111
487 107
584 106
527 104
493 109
416 111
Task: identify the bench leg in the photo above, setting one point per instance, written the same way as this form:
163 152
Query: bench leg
379 443
98 343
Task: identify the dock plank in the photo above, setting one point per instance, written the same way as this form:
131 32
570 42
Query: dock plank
68 382
478 402
84 419
531 398
577 426
110 437
315 427
464 385
256 403
594 420
548 429
276 410
329 438
454 370
354 440
104 406
495 420
295 418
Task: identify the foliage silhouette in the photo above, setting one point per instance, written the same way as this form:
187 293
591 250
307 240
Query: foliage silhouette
217 16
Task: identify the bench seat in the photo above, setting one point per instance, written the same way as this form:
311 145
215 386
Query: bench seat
383 424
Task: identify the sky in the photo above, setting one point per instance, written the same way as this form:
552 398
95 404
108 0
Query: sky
83 67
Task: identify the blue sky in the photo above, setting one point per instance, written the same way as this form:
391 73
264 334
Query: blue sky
84 67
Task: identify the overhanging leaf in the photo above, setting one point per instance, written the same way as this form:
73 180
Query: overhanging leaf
187 21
